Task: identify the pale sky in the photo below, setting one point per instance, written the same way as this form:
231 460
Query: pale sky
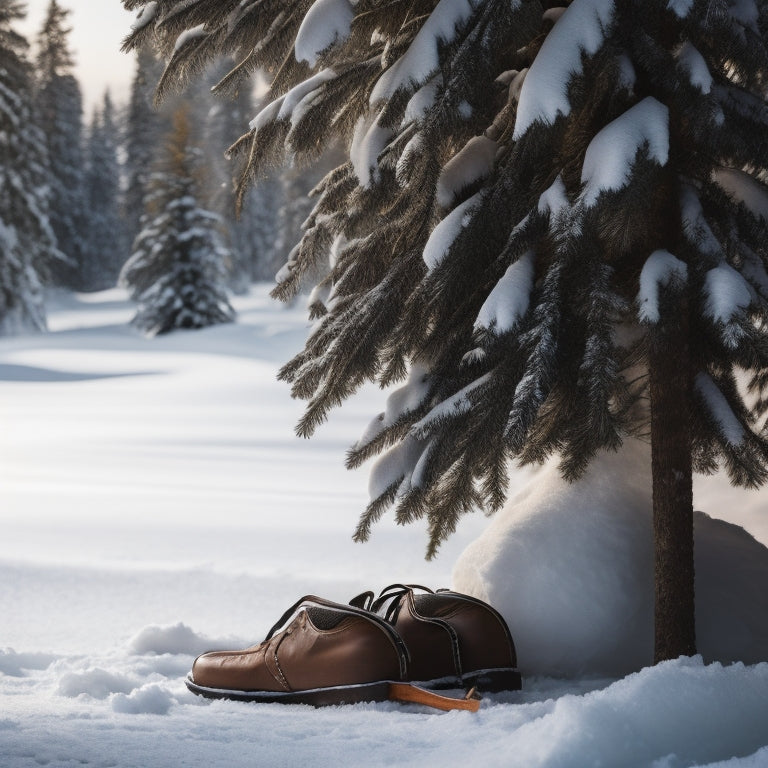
98 29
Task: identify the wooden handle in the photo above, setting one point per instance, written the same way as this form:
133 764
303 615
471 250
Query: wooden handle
415 695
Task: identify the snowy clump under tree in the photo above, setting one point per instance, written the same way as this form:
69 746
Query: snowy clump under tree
552 224
60 106
177 271
103 241
27 244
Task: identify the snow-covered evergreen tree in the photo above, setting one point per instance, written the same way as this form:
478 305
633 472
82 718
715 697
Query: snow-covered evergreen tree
144 131
223 126
177 272
552 216
59 102
102 238
261 213
27 244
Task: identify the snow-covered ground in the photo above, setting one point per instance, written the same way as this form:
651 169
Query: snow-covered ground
155 503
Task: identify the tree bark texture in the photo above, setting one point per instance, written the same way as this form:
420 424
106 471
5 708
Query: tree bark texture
671 463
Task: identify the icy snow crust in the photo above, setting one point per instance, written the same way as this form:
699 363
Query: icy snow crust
154 503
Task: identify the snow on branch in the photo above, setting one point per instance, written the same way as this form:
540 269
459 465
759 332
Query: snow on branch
510 298
423 100
681 8
327 23
445 233
727 293
472 163
694 65
188 36
609 157
745 12
146 16
580 30
717 405
456 405
742 188
554 200
404 400
695 225
291 106
421 60
369 140
754 271
395 467
660 269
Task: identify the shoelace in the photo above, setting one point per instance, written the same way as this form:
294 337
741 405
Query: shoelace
393 594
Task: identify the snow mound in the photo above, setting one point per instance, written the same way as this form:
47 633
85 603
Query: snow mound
588 607
177 639
150 699
14 664
662 710
96 683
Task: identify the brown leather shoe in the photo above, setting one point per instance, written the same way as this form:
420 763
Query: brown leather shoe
453 640
326 654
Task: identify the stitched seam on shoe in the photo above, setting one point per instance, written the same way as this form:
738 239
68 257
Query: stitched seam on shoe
452 633
282 679
497 617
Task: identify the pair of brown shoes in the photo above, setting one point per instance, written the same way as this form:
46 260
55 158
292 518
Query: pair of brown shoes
403 646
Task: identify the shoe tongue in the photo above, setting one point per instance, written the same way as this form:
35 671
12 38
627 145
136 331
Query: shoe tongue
431 605
324 618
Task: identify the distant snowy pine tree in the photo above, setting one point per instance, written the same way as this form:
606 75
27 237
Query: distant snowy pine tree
261 213
103 242
223 125
144 131
550 218
177 272
27 243
59 103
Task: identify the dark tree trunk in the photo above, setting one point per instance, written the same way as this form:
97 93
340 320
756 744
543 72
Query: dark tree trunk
671 463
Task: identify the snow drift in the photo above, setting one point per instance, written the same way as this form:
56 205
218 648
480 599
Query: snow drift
587 606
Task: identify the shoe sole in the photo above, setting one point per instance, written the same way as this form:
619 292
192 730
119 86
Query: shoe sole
485 680
317 697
